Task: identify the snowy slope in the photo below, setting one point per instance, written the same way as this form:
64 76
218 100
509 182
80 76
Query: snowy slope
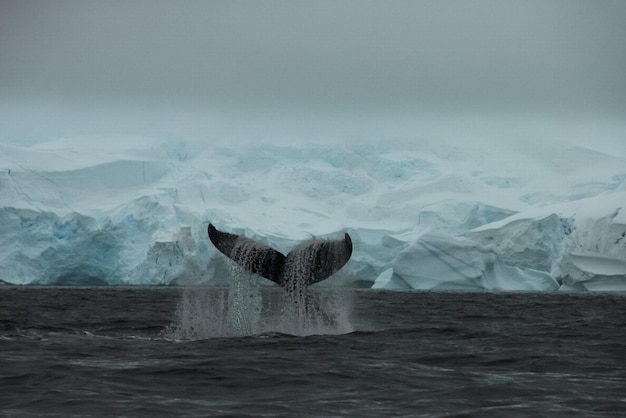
423 214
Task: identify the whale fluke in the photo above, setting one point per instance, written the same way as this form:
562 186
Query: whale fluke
249 254
310 262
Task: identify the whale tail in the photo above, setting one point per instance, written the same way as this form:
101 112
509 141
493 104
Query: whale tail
310 262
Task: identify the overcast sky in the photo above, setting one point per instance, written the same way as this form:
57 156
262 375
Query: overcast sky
108 63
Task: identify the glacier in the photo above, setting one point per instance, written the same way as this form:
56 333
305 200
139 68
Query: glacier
427 214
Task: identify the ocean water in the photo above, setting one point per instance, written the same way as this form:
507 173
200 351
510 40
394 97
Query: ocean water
244 351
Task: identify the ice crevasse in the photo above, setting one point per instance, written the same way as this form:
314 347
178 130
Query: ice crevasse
135 211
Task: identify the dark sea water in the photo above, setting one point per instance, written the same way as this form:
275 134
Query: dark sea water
146 351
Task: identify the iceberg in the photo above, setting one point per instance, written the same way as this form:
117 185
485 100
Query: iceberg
134 210
444 262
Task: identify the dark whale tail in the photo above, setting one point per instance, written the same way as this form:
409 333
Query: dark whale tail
310 262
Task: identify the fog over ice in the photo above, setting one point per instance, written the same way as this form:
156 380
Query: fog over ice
299 69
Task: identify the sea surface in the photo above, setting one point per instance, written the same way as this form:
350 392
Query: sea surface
199 351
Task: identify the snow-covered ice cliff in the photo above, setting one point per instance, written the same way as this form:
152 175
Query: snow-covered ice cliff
422 214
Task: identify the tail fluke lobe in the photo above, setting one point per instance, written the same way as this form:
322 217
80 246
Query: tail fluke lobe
310 262
249 254
319 259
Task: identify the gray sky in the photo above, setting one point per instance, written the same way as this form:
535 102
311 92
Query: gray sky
113 63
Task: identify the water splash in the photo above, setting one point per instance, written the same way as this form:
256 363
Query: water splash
244 303
247 307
